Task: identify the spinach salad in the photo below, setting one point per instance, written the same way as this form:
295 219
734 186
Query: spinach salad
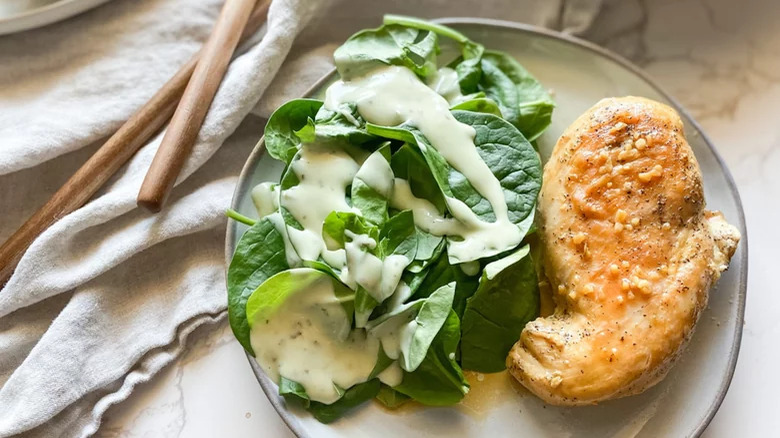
392 254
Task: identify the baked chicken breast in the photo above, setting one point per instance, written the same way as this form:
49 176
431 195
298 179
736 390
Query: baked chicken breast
630 253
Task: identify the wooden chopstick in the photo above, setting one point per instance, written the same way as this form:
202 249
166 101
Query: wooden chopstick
114 153
186 122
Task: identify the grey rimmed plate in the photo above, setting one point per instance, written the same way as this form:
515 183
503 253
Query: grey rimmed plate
579 73
19 15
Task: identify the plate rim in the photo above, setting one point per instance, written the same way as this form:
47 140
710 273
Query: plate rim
46 15
267 385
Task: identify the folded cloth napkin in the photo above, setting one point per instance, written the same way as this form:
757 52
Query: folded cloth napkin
107 296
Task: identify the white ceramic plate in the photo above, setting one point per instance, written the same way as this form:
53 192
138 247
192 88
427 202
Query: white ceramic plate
683 404
19 15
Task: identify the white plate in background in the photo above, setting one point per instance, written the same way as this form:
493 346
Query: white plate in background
19 15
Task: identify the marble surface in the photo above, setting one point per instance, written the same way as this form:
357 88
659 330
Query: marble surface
721 60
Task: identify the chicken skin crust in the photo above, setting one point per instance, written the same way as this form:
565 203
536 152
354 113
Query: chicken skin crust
630 253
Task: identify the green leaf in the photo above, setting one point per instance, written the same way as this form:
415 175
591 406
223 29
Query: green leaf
468 66
428 316
508 155
390 397
409 164
392 44
440 273
506 300
338 222
429 248
373 185
479 105
293 392
260 254
345 124
398 236
522 99
417 23
353 397
274 291
364 305
281 140
511 159
439 380
382 362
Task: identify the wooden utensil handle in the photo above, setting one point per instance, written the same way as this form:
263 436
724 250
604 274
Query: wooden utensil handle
195 102
114 153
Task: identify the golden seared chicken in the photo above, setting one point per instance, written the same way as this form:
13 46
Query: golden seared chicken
630 253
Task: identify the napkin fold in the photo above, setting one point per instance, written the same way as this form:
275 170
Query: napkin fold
107 296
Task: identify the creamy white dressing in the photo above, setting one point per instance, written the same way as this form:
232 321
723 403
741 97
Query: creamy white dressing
494 268
324 173
402 293
426 215
377 174
392 95
289 252
308 340
265 196
395 333
379 277
470 268
445 83
393 375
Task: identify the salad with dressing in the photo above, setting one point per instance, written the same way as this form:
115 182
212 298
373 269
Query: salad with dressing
392 254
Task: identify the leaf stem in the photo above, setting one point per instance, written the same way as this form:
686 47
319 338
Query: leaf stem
426 25
236 216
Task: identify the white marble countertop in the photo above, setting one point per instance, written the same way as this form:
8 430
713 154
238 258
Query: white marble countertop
721 60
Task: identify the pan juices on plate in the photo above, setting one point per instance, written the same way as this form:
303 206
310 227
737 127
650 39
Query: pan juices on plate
630 252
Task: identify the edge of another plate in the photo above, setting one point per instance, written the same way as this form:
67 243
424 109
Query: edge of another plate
267 385
45 15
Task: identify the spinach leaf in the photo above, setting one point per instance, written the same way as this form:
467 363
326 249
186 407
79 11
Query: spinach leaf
479 105
353 397
345 124
281 140
506 300
428 315
399 236
337 223
372 186
508 155
392 44
365 304
429 248
382 362
441 272
390 397
267 298
294 393
522 99
409 164
467 66
439 380
258 256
